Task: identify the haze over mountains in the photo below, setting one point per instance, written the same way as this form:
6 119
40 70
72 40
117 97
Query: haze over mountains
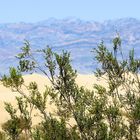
75 35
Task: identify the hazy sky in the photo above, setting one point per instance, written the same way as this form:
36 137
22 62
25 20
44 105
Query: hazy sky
36 10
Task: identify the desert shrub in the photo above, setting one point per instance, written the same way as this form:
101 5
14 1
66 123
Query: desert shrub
109 112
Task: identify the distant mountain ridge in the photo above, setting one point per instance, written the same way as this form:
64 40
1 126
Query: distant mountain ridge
75 35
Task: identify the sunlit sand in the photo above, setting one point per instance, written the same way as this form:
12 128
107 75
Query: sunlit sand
6 95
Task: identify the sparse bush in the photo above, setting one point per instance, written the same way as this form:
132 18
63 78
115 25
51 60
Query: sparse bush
104 113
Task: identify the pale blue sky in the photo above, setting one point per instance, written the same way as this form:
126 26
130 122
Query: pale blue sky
37 10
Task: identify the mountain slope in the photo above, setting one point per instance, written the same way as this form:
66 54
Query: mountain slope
74 35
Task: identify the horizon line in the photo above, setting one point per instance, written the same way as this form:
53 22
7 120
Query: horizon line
70 17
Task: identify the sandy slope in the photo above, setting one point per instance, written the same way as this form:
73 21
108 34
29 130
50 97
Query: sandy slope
7 96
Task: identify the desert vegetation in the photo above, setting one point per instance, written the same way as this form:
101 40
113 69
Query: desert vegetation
109 112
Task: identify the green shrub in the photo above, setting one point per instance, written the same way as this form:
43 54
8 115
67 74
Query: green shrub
103 113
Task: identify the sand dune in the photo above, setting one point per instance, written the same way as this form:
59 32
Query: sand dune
6 95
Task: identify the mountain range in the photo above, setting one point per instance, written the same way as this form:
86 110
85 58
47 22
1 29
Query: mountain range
77 36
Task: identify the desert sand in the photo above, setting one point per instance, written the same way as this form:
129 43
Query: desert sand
6 95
